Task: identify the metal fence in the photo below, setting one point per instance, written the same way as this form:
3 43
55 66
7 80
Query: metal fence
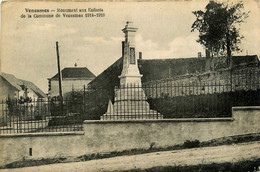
39 116
206 99
211 97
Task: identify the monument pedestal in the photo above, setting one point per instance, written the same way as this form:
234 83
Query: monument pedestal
130 99
130 103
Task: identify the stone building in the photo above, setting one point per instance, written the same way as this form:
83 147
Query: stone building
177 69
73 78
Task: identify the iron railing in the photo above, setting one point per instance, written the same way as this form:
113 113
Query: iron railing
199 96
39 116
207 95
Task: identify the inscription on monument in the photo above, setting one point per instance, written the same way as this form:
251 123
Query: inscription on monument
132 55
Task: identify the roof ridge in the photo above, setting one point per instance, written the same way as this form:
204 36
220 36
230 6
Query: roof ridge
75 67
173 58
16 82
75 72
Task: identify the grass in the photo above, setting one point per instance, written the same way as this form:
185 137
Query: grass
186 145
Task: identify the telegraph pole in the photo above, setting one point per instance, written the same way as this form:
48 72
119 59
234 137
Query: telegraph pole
59 75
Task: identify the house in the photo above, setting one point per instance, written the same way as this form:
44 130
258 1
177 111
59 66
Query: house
160 69
220 63
73 78
16 88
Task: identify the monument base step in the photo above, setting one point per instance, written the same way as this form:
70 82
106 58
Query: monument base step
132 111
132 117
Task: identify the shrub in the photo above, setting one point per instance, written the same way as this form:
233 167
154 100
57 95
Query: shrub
191 144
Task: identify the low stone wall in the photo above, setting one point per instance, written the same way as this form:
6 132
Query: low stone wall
108 136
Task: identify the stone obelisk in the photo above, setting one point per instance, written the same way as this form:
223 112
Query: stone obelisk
130 73
130 100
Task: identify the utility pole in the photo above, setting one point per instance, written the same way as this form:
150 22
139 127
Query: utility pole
59 76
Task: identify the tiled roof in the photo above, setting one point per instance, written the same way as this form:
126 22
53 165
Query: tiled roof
249 59
109 77
151 70
75 72
12 80
156 69
16 82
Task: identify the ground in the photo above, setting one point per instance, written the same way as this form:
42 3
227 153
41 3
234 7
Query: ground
187 157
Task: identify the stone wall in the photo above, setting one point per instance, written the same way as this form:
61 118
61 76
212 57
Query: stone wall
108 136
244 78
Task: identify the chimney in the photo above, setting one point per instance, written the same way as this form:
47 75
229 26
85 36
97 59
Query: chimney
169 72
207 53
140 56
123 48
199 55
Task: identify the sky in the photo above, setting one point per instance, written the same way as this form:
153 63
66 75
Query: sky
164 31
0 15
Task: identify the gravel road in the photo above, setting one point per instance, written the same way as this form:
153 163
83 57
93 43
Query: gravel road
206 155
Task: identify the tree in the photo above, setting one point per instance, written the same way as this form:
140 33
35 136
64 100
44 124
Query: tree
218 27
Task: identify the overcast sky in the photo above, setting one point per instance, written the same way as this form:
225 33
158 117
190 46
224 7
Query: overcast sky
28 45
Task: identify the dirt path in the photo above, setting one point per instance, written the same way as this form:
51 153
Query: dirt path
206 155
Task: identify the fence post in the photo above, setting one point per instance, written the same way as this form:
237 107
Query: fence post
116 97
67 107
182 97
3 114
231 78
156 92
178 95
84 92
17 123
